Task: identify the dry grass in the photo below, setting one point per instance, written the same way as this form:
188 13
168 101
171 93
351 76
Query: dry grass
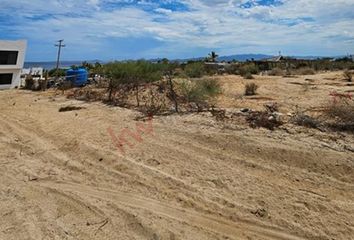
251 89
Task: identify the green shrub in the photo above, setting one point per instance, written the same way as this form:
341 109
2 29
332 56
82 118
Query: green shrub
232 69
131 73
195 69
248 68
60 73
200 91
211 87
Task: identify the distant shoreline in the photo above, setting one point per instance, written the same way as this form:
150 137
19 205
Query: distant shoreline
51 65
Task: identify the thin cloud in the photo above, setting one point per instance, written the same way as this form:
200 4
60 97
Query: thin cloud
183 27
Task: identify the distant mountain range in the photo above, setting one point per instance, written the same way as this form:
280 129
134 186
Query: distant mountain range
238 57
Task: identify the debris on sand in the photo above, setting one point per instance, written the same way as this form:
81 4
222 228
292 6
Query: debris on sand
260 212
70 108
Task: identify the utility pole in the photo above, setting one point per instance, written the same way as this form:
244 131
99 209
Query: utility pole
59 45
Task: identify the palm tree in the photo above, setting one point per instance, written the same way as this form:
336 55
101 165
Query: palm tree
212 56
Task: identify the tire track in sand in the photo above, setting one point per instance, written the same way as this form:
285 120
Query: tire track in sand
210 223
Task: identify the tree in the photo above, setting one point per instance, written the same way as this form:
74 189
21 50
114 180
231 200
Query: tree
212 56
131 74
169 70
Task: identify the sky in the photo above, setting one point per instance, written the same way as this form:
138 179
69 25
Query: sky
134 29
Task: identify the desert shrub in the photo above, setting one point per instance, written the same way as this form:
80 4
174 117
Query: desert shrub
212 69
54 72
219 114
305 71
248 75
277 72
248 68
131 74
251 89
211 87
340 115
271 107
304 120
200 91
263 119
87 93
232 69
29 82
269 118
194 69
348 75
154 105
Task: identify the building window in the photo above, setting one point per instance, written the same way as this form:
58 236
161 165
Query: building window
8 57
5 78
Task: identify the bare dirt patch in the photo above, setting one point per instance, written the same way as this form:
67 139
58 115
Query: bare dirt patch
62 176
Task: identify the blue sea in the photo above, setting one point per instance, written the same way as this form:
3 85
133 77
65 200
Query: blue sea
51 65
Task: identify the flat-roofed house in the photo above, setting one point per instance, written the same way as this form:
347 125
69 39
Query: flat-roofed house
12 57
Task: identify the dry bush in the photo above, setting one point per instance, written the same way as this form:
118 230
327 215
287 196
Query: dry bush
219 114
248 75
248 68
340 115
87 94
29 82
304 71
348 75
251 89
277 72
200 92
263 119
304 120
270 118
154 104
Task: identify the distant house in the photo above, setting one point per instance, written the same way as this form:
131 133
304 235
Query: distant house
12 56
279 58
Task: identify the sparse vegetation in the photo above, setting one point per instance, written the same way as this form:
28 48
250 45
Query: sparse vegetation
263 119
248 68
277 72
340 115
130 75
194 69
248 75
251 89
348 75
304 71
200 91
304 120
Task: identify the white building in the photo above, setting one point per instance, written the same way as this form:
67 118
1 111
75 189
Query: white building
12 57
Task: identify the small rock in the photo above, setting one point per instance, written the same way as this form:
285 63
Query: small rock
260 212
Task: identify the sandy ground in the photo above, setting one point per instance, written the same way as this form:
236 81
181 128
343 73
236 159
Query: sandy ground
187 177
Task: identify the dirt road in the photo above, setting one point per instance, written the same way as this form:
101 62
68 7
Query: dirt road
63 177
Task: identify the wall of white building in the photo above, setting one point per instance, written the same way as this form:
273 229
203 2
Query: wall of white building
14 69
